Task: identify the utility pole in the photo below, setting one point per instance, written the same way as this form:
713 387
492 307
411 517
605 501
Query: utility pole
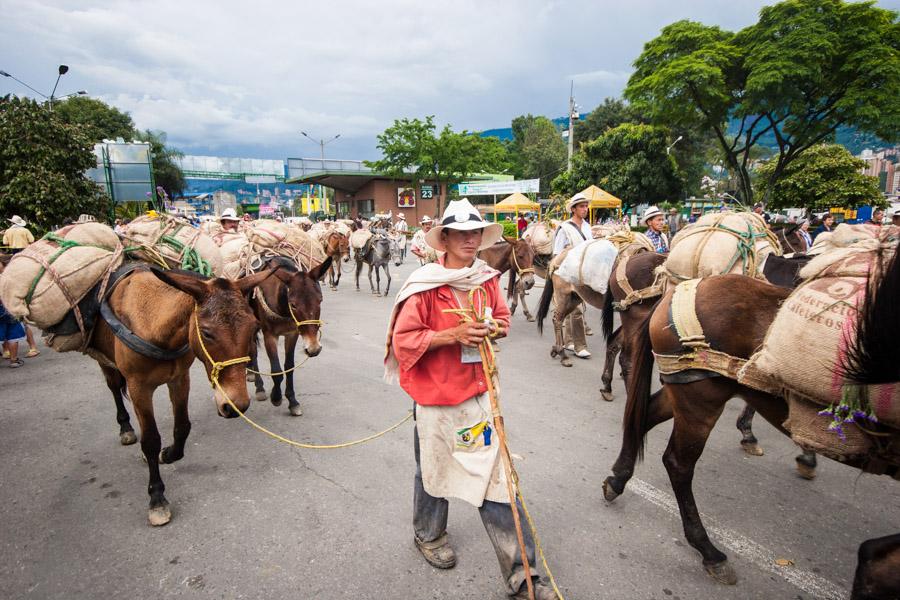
573 116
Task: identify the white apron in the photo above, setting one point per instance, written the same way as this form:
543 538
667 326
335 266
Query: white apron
455 460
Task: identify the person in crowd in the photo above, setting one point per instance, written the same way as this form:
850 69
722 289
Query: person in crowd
418 245
895 218
16 238
521 225
570 233
438 363
654 220
877 217
826 225
11 333
803 231
673 221
229 220
401 226
759 209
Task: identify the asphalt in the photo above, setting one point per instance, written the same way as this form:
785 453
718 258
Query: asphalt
254 518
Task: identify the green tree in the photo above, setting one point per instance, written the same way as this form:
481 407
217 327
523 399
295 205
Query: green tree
804 69
630 162
537 150
98 120
166 172
411 147
609 115
42 166
825 176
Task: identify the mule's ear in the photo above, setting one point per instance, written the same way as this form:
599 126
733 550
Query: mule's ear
193 286
245 284
510 240
283 274
319 271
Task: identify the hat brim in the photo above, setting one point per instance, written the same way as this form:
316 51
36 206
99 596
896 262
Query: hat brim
229 218
651 216
492 233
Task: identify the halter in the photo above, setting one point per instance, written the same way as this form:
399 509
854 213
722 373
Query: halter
217 366
519 270
300 324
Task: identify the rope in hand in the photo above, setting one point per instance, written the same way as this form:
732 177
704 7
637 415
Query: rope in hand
219 366
478 313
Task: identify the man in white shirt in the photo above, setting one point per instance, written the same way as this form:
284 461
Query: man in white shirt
569 234
419 246
400 226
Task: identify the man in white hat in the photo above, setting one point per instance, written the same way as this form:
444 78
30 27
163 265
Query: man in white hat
229 220
17 236
400 226
419 246
654 220
439 366
569 234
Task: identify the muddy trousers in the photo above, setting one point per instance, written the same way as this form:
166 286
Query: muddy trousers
430 522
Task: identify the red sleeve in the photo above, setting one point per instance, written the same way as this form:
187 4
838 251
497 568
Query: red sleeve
498 302
412 335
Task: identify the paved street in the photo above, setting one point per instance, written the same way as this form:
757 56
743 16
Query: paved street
253 518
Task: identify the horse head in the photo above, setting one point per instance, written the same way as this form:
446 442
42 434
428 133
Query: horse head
304 298
222 328
521 261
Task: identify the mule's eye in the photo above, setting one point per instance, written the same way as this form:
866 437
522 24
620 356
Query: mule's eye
206 333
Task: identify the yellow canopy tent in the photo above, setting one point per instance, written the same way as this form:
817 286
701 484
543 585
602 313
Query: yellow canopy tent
598 198
515 203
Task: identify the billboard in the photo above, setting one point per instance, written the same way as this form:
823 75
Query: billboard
406 197
498 188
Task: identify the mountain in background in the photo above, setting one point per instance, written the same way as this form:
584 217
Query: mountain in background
851 138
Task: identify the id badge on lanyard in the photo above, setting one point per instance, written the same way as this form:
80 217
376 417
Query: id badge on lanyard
470 354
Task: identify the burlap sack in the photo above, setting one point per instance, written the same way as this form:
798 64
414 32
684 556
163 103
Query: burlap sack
589 263
541 238
359 238
721 243
176 240
810 431
273 238
45 280
633 240
811 334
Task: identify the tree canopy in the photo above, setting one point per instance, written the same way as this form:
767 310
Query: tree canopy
412 147
825 176
608 115
537 150
804 69
42 166
628 161
98 120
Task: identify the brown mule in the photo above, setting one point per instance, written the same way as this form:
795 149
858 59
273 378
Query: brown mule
337 246
735 312
287 305
169 310
517 257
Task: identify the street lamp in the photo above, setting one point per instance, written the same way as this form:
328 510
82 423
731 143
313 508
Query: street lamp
672 145
61 70
321 143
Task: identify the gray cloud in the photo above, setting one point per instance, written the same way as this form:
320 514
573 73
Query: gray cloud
242 79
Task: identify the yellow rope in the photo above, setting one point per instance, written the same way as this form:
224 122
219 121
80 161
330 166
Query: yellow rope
219 366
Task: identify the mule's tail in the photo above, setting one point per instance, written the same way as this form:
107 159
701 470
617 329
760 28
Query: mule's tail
872 356
638 385
511 290
546 301
607 322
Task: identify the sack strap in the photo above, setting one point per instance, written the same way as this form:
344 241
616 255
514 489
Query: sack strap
684 315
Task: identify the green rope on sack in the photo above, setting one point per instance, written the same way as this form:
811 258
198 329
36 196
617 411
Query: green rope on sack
190 258
64 245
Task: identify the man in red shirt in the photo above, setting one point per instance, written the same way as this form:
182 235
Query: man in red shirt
439 366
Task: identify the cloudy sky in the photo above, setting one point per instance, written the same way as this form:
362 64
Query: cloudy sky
244 78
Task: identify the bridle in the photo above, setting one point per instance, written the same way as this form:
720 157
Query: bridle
217 366
515 261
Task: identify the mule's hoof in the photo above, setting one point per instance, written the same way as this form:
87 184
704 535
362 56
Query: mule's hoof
752 448
554 353
564 361
722 572
609 494
261 395
805 471
127 438
530 319
296 411
608 396
276 401
251 377
159 515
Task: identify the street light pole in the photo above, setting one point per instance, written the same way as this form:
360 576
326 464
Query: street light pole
573 116
672 145
321 144
61 70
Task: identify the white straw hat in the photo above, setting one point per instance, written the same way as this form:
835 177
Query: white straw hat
17 220
461 215
575 200
652 211
229 214
426 219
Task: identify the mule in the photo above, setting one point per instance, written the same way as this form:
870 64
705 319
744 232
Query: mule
517 257
287 305
337 247
378 253
181 316
790 239
736 312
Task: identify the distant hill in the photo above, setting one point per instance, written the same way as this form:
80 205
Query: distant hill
851 138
